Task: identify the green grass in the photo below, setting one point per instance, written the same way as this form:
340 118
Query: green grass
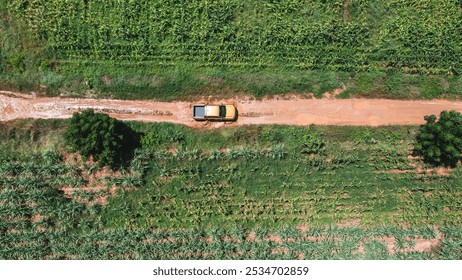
186 82
230 193
397 85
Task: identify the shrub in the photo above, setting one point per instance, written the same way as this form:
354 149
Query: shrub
440 142
17 62
1 62
104 138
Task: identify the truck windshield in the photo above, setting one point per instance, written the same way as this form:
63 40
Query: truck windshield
222 111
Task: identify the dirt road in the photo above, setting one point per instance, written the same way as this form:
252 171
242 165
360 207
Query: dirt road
294 111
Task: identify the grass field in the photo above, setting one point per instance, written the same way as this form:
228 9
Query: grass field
256 192
185 49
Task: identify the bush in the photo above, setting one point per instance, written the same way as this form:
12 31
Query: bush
104 138
440 142
17 62
160 134
1 62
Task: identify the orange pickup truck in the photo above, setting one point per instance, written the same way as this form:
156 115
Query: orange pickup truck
202 112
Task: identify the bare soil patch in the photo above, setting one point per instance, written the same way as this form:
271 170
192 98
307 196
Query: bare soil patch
349 223
36 218
275 238
250 236
426 245
94 181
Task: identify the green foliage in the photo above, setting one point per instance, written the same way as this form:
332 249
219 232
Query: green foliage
164 49
440 142
52 81
312 142
397 85
365 136
19 52
17 62
100 136
451 246
161 134
1 63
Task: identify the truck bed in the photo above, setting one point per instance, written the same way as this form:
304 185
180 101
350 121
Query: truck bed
199 112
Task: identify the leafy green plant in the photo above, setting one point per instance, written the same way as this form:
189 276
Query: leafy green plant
365 136
439 142
312 142
17 62
104 138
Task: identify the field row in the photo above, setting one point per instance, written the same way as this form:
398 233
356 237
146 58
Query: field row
262 243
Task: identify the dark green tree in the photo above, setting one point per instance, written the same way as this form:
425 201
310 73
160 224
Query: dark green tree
440 142
104 138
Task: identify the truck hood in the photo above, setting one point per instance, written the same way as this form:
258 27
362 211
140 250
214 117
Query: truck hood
230 112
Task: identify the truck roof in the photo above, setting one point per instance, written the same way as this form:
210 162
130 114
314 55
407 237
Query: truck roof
212 111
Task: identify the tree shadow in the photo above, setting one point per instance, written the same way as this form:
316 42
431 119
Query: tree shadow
131 140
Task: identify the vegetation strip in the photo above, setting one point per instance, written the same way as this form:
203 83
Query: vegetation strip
282 192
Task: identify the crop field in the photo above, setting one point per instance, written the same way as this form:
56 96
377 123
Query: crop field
172 49
257 192
288 175
303 34
283 243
